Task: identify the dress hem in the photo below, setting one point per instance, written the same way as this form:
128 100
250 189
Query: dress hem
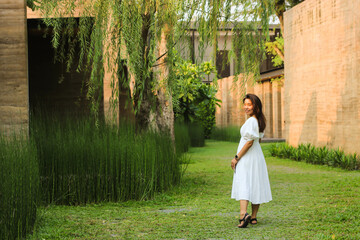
238 199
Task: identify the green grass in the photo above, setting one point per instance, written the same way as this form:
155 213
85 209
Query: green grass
309 202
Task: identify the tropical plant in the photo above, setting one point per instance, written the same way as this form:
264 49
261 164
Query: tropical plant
193 100
207 107
317 155
186 90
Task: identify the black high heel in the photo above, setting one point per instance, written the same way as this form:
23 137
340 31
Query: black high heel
246 220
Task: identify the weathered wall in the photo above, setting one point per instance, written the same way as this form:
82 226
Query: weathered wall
231 112
13 66
322 72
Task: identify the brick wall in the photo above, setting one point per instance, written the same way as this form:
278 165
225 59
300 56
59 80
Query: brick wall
231 113
13 66
322 72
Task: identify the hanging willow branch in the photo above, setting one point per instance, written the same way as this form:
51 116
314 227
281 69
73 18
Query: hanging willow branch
109 31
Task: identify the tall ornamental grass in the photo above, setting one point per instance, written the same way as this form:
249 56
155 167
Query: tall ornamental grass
182 138
230 134
317 155
19 186
197 136
80 163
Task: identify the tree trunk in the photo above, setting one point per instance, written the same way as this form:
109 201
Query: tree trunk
164 108
279 52
142 115
279 10
281 19
143 96
155 110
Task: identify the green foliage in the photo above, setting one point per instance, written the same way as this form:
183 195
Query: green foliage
186 135
182 138
270 49
317 155
19 186
196 133
30 4
182 144
80 163
230 133
279 7
67 161
193 100
188 81
206 108
109 31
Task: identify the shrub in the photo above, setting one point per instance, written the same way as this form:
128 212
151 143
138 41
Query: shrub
316 155
193 100
19 186
207 108
230 133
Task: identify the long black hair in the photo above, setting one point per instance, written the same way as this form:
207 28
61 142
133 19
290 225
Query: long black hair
255 100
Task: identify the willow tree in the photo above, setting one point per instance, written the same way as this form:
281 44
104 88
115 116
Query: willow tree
276 48
113 33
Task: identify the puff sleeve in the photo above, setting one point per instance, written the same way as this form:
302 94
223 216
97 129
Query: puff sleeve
252 130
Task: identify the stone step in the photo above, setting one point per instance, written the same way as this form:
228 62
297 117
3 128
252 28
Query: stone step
272 140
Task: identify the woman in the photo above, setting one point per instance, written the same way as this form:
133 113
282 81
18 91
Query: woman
251 181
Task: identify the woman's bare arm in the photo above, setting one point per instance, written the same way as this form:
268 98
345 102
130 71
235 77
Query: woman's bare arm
242 152
245 148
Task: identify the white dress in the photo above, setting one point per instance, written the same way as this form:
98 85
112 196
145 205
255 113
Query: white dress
251 181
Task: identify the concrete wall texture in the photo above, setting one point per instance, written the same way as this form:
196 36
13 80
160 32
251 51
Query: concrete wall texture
231 113
13 66
322 74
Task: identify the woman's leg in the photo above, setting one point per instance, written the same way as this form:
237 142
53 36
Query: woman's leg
255 209
243 209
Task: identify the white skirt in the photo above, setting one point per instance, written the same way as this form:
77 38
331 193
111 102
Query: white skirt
251 180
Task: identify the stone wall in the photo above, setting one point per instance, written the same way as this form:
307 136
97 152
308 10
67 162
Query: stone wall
231 112
13 66
322 72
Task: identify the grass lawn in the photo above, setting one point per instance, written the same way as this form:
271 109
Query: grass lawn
309 202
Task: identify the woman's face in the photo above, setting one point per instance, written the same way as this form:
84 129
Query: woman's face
248 107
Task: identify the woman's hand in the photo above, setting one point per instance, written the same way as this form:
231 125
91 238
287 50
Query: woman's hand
233 163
